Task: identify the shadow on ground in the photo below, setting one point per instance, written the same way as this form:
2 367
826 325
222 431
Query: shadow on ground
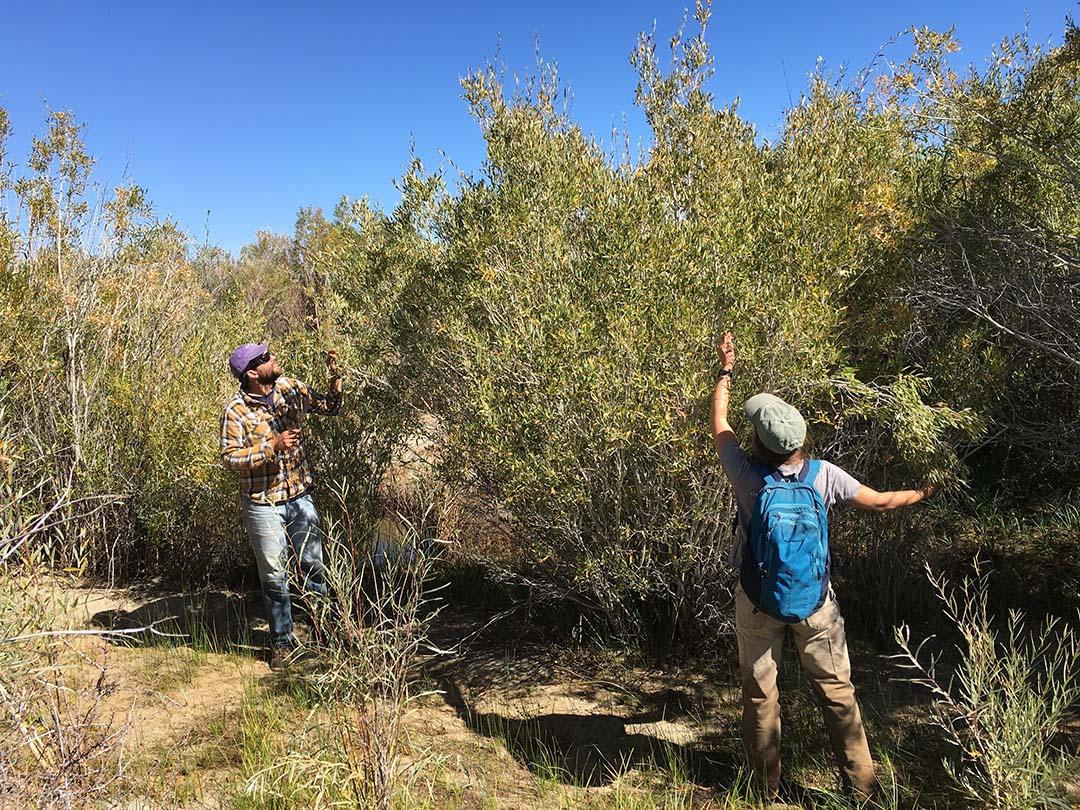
590 750
219 621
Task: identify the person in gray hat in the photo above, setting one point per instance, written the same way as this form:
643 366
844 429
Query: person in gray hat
776 456
262 441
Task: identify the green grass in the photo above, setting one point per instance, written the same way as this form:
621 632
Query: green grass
165 668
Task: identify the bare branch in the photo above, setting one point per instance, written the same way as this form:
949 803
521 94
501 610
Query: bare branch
133 631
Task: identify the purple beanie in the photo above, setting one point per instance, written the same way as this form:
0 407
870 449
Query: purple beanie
243 355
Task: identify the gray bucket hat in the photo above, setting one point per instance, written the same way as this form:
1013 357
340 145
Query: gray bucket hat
780 427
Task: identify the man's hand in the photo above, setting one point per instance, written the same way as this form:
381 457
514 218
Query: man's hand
725 349
722 433
930 490
335 373
286 440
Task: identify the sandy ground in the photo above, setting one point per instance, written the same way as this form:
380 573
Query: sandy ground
511 721
507 719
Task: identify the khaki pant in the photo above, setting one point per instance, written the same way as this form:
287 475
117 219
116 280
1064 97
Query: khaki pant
823 652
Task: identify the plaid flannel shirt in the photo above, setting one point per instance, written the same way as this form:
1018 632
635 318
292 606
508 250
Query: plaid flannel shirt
248 428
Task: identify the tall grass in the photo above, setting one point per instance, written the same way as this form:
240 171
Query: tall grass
61 744
1015 686
369 635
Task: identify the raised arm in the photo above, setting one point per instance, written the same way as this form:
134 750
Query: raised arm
327 404
874 501
722 433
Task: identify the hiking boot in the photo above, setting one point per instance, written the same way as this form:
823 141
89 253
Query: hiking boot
280 658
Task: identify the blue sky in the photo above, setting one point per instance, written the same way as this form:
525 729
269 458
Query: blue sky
252 110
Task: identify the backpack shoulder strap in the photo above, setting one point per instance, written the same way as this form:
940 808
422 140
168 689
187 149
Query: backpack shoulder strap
809 471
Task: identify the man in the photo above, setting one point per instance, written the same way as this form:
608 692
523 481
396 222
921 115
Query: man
262 440
779 434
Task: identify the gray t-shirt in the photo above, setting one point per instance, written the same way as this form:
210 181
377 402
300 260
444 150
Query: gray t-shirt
834 484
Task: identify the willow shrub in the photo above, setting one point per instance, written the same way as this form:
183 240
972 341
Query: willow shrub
996 281
122 407
557 315
113 349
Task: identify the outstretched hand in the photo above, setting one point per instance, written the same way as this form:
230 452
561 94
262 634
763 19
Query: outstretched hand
331 361
725 349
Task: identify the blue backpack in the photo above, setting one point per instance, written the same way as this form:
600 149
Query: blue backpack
787 575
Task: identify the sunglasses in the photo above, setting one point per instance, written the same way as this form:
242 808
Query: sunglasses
255 362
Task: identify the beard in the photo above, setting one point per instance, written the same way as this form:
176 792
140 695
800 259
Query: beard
270 376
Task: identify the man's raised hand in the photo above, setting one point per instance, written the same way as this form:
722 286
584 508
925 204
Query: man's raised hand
725 349
335 373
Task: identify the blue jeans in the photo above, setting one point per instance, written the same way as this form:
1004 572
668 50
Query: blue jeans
272 530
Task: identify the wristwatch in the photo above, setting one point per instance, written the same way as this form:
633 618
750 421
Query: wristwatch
725 372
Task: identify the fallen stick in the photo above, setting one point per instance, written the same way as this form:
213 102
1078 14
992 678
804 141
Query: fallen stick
105 633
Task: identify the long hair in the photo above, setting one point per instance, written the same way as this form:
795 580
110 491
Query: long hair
773 459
